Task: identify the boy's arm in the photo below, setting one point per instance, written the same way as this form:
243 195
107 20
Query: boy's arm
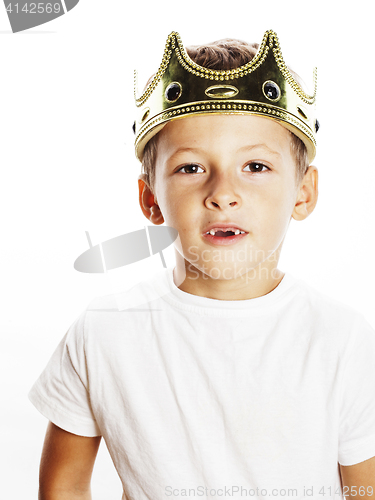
358 481
66 465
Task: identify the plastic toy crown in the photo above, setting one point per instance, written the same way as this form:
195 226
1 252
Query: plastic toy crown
264 87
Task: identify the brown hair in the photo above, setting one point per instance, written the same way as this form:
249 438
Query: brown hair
223 55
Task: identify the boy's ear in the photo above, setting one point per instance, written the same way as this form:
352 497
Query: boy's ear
307 194
148 203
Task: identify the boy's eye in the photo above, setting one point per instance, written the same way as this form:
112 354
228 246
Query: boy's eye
191 168
256 167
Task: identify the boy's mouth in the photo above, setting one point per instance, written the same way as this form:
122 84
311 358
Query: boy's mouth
225 232
224 235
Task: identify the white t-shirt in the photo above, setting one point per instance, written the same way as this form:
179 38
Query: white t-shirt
204 398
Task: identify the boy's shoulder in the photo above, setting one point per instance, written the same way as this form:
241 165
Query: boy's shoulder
329 312
320 300
139 296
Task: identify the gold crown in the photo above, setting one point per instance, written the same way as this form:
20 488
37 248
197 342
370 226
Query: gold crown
264 87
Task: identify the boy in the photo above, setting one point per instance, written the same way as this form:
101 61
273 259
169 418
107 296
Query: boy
240 381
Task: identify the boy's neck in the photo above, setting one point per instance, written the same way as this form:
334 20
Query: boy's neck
257 282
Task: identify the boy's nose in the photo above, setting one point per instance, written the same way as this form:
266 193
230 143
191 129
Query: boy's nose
223 193
211 203
223 199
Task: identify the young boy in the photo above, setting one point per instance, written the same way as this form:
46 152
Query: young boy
238 380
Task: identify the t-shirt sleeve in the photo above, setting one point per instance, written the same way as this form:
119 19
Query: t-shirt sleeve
357 411
61 393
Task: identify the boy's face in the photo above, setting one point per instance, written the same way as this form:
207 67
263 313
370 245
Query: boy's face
234 169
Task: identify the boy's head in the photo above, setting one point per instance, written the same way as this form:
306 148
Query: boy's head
225 54
228 169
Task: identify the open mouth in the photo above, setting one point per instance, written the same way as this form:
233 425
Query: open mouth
225 232
223 236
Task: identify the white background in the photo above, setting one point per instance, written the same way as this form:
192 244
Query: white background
67 166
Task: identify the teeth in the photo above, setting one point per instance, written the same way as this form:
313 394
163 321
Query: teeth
236 232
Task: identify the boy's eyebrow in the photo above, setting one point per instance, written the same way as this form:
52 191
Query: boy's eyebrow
250 147
185 150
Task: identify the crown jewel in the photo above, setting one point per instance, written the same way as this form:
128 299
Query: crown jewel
264 86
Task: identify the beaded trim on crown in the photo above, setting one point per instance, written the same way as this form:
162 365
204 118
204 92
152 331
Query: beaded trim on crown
264 86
